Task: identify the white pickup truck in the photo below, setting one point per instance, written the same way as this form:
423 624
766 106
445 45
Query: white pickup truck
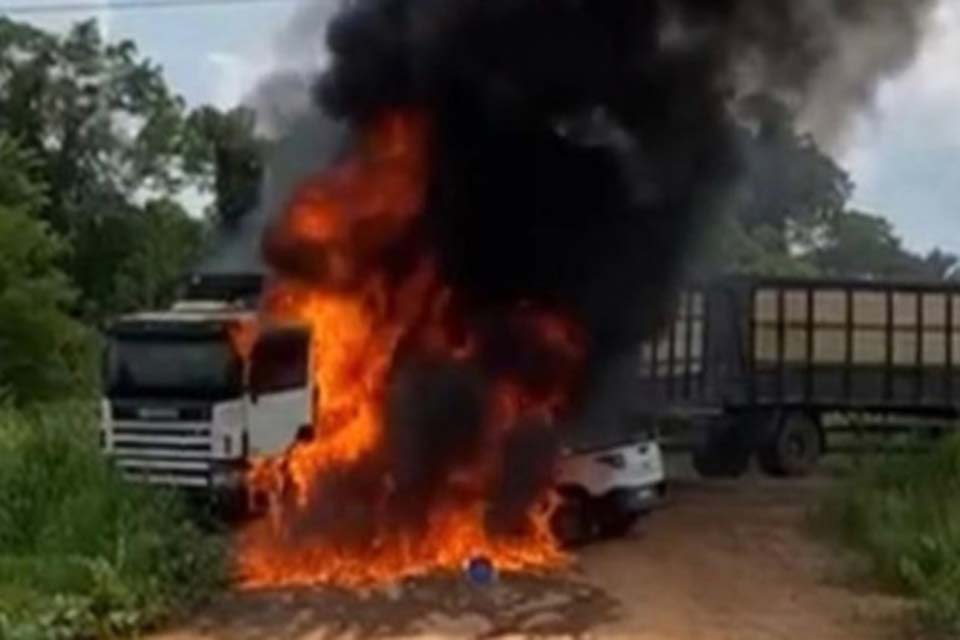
605 489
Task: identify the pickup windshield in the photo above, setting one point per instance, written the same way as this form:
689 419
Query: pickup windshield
204 368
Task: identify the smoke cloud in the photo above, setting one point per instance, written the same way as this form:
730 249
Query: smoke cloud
833 56
299 138
579 144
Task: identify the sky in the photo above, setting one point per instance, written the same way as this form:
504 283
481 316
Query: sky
904 154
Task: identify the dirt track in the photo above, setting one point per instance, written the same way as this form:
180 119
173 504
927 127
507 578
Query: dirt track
728 561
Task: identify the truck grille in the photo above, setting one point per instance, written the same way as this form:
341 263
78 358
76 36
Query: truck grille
162 450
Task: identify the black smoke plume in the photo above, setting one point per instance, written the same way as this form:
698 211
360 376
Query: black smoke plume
579 144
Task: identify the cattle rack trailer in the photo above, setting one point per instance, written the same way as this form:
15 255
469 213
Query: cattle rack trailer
763 363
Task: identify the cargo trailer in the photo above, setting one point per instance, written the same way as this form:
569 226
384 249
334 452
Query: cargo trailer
759 363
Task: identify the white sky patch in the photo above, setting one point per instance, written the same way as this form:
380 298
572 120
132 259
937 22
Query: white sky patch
931 88
905 157
61 21
235 75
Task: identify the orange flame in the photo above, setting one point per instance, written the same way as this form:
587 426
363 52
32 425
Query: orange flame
329 249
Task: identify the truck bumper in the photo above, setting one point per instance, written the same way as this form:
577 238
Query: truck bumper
628 500
228 476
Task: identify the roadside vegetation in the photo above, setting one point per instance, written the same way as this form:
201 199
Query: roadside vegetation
82 554
902 513
95 154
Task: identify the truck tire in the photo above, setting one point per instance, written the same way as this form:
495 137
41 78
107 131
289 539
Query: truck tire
792 445
571 522
306 434
617 524
725 452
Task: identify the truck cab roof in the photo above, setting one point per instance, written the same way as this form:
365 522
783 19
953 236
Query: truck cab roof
191 319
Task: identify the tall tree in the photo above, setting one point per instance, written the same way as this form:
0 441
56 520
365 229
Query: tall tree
863 245
167 243
789 184
788 190
106 132
223 147
860 245
41 347
101 121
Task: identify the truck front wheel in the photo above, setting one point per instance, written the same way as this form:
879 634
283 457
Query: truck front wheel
792 445
571 521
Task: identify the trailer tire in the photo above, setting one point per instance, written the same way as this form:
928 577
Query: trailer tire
791 446
725 452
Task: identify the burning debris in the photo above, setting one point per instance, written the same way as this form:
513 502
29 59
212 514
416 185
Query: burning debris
520 185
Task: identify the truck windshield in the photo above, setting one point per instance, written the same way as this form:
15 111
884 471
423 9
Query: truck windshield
189 368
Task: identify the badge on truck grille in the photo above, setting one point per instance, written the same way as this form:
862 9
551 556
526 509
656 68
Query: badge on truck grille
156 413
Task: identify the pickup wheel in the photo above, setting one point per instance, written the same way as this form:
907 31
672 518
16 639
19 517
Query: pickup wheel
791 446
571 521
616 523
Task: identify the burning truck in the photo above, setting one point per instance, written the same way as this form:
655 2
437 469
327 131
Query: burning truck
211 396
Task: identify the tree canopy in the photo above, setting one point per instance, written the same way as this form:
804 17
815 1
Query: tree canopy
789 213
223 148
117 150
39 341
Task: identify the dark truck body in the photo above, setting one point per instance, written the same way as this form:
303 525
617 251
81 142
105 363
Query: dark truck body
743 355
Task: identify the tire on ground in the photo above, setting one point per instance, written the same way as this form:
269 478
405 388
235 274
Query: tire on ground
791 445
616 523
726 450
571 522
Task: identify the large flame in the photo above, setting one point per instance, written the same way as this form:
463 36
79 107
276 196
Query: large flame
336 513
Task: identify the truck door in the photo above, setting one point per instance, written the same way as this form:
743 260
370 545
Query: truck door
279 398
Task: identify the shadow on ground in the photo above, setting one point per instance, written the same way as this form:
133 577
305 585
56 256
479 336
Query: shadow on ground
516 605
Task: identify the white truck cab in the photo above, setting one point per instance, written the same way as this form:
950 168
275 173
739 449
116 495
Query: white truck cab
184 407
181 407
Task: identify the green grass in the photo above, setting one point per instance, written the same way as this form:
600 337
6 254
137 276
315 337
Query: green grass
83 554
903 514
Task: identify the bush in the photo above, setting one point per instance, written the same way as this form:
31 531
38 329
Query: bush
83 554
903 514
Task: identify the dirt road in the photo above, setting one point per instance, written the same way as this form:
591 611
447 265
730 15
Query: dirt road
728 561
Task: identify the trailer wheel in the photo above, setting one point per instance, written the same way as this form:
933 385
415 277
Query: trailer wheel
792 446
725 453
